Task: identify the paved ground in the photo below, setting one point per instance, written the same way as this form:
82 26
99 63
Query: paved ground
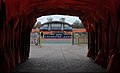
59 58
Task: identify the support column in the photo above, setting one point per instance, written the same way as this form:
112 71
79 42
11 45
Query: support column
62 28
49 27
40 40
72 37
78 39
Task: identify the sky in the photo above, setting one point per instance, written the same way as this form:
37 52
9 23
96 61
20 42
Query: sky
68 19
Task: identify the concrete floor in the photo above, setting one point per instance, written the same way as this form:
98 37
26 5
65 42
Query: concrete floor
59 58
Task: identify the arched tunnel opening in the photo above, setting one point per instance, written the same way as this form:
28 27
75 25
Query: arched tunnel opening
100 18
57 53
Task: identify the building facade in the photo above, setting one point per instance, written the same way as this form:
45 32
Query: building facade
56 29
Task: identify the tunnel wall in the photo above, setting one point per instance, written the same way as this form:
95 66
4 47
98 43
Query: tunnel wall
101 18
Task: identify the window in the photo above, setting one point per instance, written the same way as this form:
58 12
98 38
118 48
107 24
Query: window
45 26
56 25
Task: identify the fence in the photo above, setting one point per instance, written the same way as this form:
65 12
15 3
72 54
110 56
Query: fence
34 39
82 39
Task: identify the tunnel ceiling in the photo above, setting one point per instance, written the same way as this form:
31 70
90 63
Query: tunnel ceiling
85 9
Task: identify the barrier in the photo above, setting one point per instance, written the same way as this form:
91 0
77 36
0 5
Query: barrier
78 39
40 40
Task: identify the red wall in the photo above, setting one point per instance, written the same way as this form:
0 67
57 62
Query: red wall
101 19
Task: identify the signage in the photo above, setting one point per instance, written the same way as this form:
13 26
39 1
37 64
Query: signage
57 36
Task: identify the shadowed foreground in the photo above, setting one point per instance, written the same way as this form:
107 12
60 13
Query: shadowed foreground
59 58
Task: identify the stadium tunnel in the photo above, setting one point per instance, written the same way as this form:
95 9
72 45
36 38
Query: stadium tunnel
101 19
